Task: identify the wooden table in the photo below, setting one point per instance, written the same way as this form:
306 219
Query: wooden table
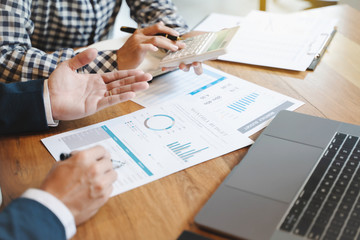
164 208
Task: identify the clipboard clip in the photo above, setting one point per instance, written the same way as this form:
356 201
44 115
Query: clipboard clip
315 47
318 47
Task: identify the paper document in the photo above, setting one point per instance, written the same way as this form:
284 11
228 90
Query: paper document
287 41
217 21
153 142
237 103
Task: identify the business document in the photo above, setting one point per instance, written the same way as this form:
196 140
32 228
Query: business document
287 41
239 104
153 142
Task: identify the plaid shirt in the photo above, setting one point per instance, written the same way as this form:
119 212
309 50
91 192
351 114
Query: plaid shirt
36 35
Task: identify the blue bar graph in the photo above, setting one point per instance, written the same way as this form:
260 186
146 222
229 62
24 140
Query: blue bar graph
184 151
242 104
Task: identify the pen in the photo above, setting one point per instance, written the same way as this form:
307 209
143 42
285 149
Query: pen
132 30
64 156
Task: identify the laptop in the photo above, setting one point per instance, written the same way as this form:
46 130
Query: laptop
300 180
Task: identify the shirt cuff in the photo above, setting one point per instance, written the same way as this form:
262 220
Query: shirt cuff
51 122
0 197
56 206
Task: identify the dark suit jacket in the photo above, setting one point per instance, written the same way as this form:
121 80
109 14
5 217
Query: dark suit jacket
22 107
27 219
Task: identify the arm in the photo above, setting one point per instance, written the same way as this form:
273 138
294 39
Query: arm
72 95
73 192
20 61
149 12
153 16
27 219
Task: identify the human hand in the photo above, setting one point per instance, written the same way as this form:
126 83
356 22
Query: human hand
196 65
74 95
83 182
133 52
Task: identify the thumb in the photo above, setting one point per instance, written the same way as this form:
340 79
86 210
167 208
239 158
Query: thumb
82 58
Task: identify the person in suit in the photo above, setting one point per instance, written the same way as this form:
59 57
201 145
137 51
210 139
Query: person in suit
74 189
66 95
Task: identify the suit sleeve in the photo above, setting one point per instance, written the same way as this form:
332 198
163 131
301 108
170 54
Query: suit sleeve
22 107
27 219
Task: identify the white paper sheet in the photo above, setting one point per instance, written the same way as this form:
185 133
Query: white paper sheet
153 142
287 41
233 101
212 24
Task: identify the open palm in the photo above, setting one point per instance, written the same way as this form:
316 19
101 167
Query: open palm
74 95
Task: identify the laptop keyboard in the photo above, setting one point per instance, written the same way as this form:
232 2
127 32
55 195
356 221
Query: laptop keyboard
328 207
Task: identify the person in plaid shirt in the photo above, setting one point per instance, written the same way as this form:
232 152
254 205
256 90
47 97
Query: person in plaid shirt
37 35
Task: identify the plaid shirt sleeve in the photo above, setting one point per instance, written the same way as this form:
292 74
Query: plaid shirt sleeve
19 61
149 12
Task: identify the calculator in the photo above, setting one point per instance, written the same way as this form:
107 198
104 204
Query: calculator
199 48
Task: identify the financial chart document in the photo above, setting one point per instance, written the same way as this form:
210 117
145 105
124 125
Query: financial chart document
153 142
239 104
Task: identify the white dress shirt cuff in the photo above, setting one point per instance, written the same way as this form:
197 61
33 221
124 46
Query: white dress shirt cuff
51 122
56 206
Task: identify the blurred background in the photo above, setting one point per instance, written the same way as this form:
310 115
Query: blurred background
195 10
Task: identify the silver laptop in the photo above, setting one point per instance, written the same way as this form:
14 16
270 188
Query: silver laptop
300 180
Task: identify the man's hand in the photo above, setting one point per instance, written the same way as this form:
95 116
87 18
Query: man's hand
83 182
133 52
74 95
196 65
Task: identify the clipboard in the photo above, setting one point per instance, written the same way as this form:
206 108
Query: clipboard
321 51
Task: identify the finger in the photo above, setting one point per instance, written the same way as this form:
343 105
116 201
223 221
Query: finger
102 166
93 154
103 195
197 68
180 44
159 28
82 59
184 67
162 42
129 80
168 68
145 47
120 74
135 87
110 177
112 100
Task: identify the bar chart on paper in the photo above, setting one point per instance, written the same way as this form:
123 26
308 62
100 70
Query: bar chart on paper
184 151
243 104
239 103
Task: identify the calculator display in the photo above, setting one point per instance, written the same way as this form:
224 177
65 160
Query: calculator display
218 42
